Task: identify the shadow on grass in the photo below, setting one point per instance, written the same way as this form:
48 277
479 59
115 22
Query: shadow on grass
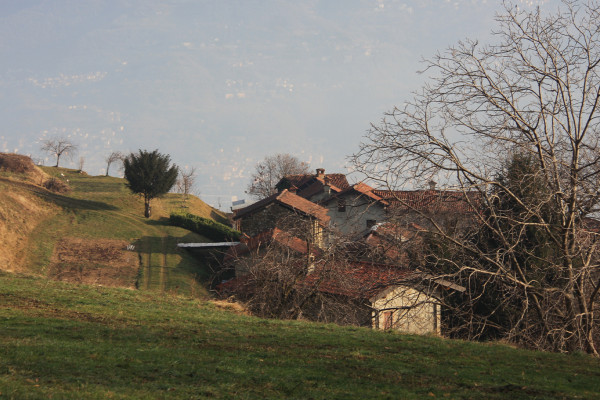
61 200
156 244
71 203
162 221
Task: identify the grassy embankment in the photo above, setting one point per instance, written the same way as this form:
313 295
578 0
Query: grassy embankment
82 236
65 341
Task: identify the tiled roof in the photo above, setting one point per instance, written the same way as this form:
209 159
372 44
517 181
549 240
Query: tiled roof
388 238
591 224
303 205
274 235
290 200
309 184
315 188
359 279
337 180
363 189
430 200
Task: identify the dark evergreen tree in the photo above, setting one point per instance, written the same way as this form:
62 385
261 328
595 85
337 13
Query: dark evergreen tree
150 175
520 232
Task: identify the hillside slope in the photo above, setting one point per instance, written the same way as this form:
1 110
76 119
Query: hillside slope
95 233
63 341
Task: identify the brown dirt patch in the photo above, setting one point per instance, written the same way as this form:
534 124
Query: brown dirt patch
95 262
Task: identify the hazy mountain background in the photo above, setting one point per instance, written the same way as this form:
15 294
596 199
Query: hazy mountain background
218 85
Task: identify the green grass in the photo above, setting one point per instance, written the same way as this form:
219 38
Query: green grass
99 207
78 342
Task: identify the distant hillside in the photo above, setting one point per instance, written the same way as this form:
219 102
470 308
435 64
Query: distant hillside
94 232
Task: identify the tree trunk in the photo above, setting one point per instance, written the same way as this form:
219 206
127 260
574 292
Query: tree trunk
147 208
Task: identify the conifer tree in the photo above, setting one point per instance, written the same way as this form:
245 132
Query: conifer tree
150 175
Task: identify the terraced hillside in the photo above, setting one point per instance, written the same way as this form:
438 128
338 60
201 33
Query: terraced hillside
96 233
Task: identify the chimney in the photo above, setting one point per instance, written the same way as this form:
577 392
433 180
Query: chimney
320 172
432 184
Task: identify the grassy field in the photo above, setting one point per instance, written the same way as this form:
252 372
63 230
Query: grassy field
99 216
65 341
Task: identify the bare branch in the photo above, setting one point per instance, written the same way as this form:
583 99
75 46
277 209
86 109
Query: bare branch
270 171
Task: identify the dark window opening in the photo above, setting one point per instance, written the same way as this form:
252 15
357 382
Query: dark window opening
341 205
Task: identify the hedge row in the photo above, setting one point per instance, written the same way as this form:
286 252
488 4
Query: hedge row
204 226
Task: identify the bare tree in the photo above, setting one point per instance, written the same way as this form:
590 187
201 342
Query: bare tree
270 171
531 98
281 275
115 156
185 183
81 164
59 147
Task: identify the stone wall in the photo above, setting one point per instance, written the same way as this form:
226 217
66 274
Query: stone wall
407 310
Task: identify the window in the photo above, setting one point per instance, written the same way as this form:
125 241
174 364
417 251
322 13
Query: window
341 205
371 223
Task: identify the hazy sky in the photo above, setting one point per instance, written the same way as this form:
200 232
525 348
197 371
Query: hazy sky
218 85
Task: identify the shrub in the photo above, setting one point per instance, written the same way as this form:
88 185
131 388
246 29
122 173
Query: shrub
16 163
56 185
206 227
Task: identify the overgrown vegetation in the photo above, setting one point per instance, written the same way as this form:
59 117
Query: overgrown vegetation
56 185
206 227
72 342
16 163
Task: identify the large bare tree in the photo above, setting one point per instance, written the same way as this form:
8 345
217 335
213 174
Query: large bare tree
270 171
513 125
59 147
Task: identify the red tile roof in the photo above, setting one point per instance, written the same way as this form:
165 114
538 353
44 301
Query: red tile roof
274 235
591 224
309 184
290 200
363 189
430 200
358 279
